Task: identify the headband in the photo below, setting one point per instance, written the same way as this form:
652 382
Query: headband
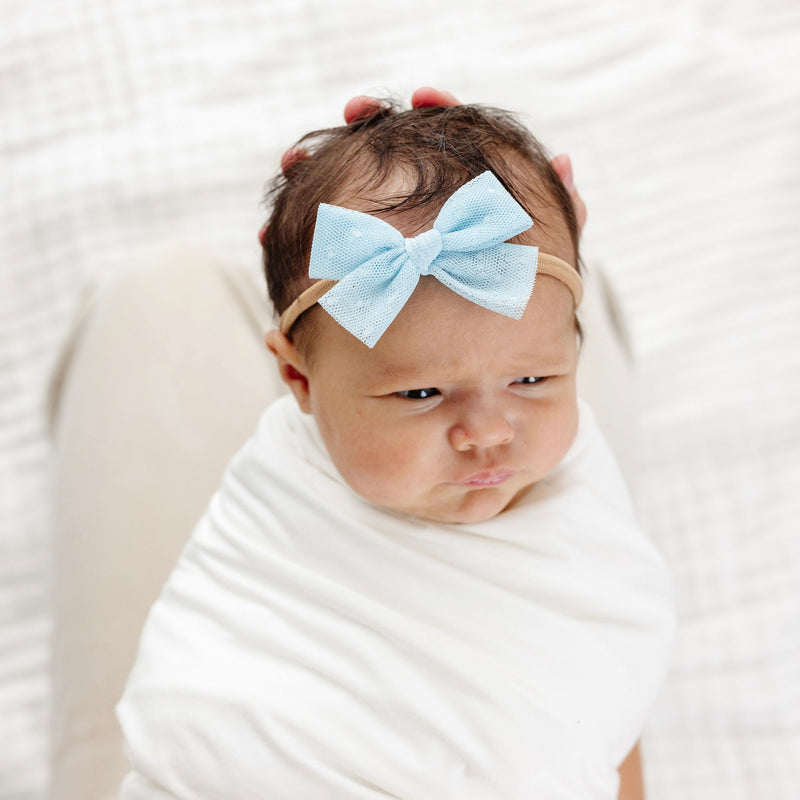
369 270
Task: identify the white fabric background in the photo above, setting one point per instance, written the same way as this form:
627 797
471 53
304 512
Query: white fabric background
127 121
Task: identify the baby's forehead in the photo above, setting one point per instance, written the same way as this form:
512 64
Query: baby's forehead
440 334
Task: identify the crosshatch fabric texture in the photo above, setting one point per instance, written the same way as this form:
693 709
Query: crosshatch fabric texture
130 122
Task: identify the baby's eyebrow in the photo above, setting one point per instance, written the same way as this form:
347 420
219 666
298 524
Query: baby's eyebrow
546 361
393 375
389 375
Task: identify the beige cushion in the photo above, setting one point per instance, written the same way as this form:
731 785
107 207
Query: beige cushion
161 383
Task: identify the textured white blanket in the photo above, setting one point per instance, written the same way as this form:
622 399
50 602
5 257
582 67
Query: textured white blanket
312 645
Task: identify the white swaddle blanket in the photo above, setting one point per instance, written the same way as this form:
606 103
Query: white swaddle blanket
311 646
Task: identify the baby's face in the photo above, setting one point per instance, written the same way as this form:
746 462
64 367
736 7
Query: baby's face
457 410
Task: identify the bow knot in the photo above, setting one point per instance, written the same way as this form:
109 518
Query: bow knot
376 269
423 249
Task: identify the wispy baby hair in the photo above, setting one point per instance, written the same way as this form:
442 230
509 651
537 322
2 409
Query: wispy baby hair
434 150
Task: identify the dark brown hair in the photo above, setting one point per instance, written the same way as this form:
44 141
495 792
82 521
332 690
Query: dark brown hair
435 149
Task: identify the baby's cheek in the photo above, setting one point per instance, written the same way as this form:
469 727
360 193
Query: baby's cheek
388 467
562 434
543 438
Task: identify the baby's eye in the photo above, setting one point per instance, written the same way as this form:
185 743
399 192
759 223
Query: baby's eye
529 380
417 394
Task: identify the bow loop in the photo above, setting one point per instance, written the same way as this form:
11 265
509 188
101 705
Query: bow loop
377 269
481 217
345 240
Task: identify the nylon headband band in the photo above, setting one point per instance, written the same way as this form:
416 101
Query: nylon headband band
546 265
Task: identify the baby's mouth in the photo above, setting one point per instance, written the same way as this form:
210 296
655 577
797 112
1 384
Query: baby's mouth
493 477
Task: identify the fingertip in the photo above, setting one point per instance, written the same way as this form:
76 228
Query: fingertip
563 167
291 157
360 107
562 164
428 97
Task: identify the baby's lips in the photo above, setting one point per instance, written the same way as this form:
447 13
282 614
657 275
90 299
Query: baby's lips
492 477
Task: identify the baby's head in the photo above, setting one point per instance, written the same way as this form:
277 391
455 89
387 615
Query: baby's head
456 409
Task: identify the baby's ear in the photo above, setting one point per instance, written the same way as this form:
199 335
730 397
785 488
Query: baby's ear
292 367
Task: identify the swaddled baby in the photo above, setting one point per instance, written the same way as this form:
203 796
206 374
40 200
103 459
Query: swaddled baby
422 576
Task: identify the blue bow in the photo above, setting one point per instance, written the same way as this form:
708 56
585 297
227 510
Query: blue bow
377 269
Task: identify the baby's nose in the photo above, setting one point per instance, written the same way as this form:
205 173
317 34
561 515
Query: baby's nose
481 424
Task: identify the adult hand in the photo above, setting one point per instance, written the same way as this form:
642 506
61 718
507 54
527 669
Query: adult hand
426 97
364 106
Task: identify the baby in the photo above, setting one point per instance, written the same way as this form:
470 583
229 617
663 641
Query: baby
422 576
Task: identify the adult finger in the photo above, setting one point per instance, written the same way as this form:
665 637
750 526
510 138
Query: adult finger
362 106
355 109
424 97
291 157
427 97
563 168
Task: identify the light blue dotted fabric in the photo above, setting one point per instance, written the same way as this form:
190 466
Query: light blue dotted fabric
377 268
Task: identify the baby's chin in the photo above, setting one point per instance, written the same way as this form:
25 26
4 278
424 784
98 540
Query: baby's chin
477 505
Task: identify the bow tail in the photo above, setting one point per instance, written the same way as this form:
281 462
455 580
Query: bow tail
367 300
499 278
